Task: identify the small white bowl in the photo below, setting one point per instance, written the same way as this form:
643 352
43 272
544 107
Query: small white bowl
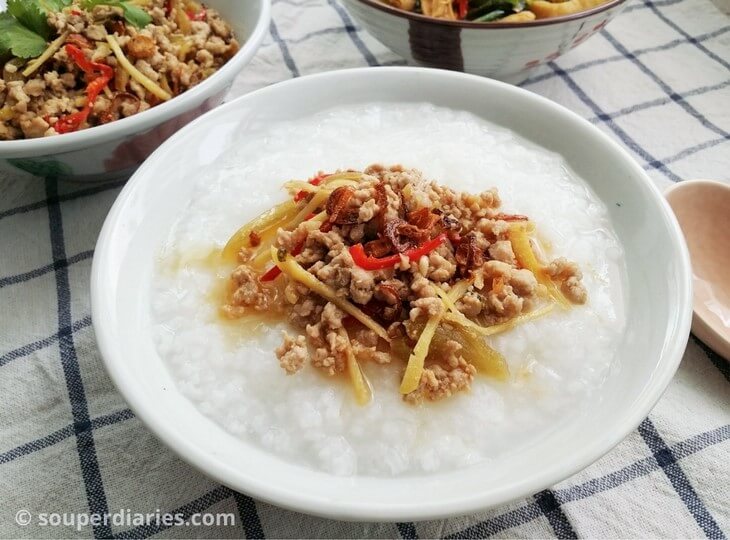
504 51
116 149
659 303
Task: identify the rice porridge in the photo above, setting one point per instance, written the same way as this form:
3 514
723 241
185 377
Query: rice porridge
556 362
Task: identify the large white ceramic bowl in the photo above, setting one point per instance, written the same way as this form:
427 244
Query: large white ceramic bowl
116 149
659 304
504 51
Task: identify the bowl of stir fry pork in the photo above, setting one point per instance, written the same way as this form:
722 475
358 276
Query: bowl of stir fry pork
90 88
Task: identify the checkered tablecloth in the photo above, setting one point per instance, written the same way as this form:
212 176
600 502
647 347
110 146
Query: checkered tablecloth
657 80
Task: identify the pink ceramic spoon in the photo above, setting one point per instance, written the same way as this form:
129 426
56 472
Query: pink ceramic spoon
702 208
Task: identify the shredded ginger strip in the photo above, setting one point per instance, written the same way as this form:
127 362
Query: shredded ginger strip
360 384
137 75
52 49
458 317
347 175
414 369
262 255
294 270
294 186
526 256
271 219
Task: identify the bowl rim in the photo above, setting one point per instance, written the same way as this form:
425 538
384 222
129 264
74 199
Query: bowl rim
155 116
376 4
103 265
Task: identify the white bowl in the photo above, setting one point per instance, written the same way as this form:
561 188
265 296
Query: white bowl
116 149
659 304
504 51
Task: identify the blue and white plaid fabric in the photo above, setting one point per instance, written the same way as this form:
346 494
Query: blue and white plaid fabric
657 79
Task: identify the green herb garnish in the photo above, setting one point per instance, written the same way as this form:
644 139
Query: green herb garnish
491 16
31 16
54 5
134 15
486 10
17 40
24 28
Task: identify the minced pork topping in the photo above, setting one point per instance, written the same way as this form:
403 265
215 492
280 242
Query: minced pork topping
385 266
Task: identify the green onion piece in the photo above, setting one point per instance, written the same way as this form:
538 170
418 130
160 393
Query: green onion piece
491 16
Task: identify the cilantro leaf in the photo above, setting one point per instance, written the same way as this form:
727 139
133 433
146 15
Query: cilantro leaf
54 5
30 15
17 40
135 15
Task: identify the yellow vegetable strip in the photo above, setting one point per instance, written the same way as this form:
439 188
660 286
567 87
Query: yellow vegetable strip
544 9
357 176
521 319
47 54
184 49
165 84
318 200
268 220
294 186
180 17
445 297
461 319
263 254
414 369
294 270
454 295
240 239
490 362
475 350
455 315
137 75
526 257
360 384
320 217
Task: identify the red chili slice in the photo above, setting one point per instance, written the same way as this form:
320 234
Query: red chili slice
201 15
373 263
317 180
101 74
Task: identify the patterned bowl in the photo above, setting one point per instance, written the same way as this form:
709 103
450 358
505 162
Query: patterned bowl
504 51
116 149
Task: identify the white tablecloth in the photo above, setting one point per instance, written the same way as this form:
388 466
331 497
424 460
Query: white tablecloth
657 80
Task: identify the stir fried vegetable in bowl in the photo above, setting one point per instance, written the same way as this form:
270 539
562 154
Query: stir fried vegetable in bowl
501 39
133 70
505 11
